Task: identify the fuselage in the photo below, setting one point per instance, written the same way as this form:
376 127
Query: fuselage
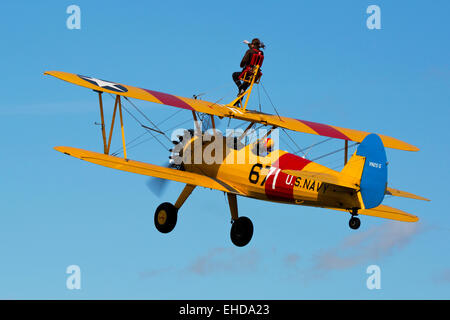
260 175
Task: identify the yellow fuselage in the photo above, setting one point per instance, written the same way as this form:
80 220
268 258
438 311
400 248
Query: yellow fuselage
261 176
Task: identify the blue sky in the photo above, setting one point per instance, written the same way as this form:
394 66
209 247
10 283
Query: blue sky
322 64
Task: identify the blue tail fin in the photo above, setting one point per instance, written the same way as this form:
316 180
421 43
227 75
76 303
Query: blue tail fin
374 174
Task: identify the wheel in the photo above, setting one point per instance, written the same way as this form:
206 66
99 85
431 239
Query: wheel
241 231
354 223
166 217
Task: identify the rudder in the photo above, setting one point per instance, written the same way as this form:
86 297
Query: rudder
369 166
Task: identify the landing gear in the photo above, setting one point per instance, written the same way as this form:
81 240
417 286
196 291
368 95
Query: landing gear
242 227
354 222
241 231
166 217
166 214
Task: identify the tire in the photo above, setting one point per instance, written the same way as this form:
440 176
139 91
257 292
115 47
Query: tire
354 223
165 217
241 231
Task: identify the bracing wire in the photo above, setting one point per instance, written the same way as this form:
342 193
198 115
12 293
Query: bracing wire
151 138
276 111
259 99
142 125
290 138
333 152
273 106
293 141
143 114
311 146
170 117
159 124
149 130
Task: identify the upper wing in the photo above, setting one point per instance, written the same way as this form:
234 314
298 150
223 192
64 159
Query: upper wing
220 110
147 169
139 93
404 194
387 212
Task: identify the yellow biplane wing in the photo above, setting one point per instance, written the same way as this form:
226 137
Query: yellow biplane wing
221 110
148 169
387 212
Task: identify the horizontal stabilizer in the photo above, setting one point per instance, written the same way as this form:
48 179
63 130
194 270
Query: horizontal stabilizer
404 194
387 212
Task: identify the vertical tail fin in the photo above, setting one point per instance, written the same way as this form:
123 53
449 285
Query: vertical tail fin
368 165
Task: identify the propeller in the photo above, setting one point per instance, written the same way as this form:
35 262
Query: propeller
158 185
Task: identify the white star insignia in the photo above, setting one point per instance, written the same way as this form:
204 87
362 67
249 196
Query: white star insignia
105 84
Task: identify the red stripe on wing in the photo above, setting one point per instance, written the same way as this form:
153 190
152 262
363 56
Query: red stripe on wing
325 130
169 99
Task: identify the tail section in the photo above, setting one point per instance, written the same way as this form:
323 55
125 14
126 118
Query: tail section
368 165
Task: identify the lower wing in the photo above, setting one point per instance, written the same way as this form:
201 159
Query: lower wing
148 169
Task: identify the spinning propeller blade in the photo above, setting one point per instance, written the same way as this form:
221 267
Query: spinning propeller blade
157 185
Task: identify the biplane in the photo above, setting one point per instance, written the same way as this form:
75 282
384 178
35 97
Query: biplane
265 173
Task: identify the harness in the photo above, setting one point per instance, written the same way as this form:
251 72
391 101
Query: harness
255 64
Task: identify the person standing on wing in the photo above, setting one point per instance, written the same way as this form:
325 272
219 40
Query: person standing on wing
254 48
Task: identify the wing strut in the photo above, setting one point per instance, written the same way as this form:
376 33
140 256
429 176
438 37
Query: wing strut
106 146
100 101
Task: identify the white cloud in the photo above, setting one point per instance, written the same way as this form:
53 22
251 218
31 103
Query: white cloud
225 260
365 247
